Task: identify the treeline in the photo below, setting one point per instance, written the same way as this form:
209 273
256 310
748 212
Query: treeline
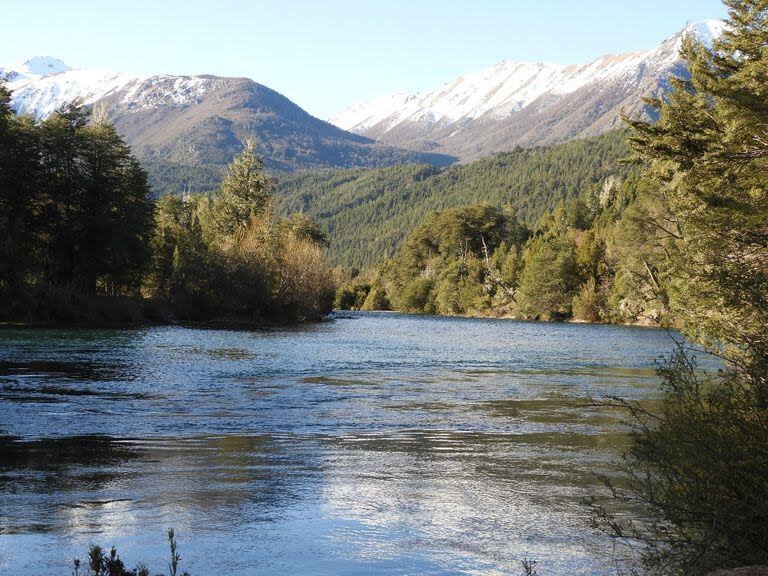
83 241
594 258
368 212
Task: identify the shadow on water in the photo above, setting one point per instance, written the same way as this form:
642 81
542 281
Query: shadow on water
50 369
36 473
60 453
74 483
54 381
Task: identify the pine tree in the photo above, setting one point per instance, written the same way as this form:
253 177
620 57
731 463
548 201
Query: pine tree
245 192
709 152
696 468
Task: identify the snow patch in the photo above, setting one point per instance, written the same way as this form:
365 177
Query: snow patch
43 84
44 66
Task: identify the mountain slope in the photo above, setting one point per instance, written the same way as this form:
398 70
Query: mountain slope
525 104
368 212
200 121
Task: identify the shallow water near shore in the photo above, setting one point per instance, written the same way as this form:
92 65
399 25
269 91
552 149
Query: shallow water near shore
373 444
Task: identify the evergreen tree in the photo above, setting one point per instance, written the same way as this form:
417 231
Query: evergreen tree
245 192
549 280
696 467
709 152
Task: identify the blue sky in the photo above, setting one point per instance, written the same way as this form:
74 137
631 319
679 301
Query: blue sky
325 55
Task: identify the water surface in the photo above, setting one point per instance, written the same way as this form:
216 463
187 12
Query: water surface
374 444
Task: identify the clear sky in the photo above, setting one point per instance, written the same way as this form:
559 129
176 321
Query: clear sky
327 54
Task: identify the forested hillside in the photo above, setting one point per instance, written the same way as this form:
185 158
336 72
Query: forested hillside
368 212
596 258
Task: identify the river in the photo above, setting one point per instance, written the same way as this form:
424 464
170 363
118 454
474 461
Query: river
372 444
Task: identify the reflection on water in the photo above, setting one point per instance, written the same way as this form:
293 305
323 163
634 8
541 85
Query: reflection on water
377 444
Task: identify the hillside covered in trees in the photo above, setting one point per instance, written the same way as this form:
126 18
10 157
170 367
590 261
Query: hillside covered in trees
82 239
367 213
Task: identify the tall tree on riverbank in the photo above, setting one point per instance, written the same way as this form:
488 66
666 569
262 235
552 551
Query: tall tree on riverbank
697 468
19 199
709 152
75 213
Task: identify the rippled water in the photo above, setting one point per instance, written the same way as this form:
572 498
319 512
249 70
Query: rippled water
375 444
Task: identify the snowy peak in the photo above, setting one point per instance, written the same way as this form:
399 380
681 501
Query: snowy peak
523 103
43 84
503 90
43 66
706 31
33 69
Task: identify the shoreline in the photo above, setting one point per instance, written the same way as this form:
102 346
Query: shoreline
637 324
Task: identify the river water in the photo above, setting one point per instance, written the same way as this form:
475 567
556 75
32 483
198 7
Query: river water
372 444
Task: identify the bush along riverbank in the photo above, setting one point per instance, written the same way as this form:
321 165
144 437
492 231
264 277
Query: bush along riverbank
84 242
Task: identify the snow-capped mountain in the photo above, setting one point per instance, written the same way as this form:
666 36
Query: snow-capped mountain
198 121
521 103
43 84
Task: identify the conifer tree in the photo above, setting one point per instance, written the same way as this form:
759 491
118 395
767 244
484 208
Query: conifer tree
245 192
696 468
709 152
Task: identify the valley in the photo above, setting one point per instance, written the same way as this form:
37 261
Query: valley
511 325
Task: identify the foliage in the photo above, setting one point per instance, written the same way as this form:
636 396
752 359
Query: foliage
591 258
455 262
370 211
244 193
709 154
101 564
226 255
549 280
697 470
80 239
75 212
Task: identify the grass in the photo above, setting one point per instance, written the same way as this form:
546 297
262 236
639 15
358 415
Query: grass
100 563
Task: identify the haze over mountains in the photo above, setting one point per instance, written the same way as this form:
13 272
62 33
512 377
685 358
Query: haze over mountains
522 103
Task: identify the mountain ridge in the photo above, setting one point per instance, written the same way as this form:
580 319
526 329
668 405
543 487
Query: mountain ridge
522 103
200 121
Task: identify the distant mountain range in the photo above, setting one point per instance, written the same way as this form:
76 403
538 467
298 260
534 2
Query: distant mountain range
188 127
523 104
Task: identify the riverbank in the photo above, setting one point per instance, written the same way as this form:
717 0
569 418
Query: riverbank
67 309
502 315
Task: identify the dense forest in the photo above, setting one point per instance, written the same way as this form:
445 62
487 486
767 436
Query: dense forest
595 258
82 239
367 213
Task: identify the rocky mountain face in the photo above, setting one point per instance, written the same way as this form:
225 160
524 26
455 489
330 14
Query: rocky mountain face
194 123
523 104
